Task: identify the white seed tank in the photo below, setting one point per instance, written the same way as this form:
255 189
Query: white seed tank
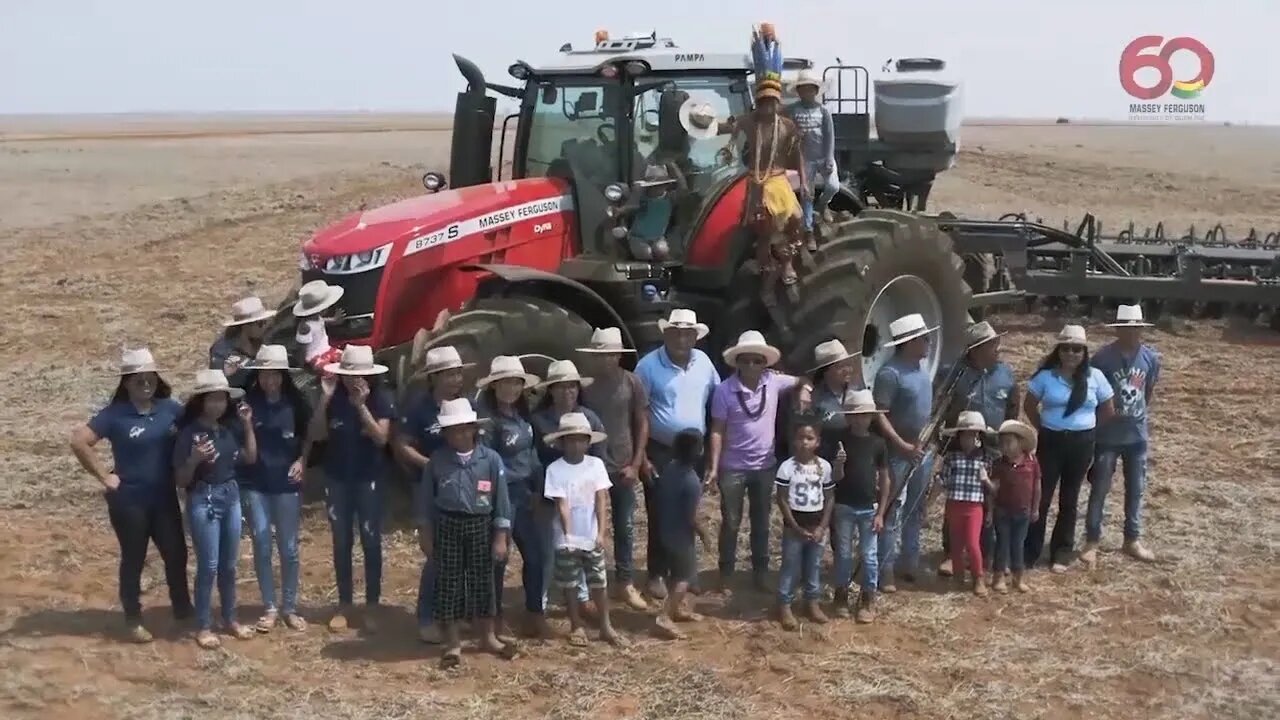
917 114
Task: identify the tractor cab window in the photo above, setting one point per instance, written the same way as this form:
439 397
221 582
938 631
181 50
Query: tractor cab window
572 133
660 135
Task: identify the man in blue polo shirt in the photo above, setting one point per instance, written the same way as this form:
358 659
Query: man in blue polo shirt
679 379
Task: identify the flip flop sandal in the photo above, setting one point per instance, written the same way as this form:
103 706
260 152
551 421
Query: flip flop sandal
294 621
578 638
267 622
206 640
240 632
451 660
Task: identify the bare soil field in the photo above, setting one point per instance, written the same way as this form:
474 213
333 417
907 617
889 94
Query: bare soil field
148 239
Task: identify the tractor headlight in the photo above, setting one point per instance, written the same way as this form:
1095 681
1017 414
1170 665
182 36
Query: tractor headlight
433 182
615 193
358 262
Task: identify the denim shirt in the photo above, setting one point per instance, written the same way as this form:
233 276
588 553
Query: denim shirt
141 446
476 486
511 436
984 391
222 351
1133 381
350 455
223 468
905 390
275 426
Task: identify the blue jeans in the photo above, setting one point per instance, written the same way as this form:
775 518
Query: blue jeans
1011 537
353 505
1105 458
845 524
830 185
756 487
213 512
801 560
898 526
525 537
281 511
623 501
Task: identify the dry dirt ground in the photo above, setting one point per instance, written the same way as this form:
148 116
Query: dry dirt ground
149 239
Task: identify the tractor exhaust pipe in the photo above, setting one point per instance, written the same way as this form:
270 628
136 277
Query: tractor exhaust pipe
473 118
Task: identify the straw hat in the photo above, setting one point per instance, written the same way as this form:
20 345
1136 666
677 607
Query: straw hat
859 402
1073 335
574 424
248 310
504 367
684 319
210 381
606 341
564 371
829 353
443 358
356 360
979 334
807 77
270 357
908 328
1129 316
699 119
752 342
457 412
1023 431
969 420
137 361
315 297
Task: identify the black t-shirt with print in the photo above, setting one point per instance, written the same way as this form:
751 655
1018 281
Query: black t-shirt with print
866 454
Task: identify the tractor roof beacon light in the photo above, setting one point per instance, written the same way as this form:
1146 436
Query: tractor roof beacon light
602 36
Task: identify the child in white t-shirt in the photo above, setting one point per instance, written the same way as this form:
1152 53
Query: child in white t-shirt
579 484
805 496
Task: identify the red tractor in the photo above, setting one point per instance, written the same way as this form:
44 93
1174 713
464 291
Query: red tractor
525 258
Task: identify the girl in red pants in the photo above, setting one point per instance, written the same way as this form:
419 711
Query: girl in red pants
966 479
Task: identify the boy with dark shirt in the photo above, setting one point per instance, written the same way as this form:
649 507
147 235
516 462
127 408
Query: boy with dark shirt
861 472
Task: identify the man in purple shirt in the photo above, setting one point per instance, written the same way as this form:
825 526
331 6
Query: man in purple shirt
744 414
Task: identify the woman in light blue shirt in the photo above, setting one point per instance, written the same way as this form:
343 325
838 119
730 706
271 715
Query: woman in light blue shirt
1066 399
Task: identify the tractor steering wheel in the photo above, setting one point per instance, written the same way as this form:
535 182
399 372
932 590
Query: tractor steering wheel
602 137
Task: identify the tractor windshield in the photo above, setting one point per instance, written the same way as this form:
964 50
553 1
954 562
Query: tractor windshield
572 131
660 135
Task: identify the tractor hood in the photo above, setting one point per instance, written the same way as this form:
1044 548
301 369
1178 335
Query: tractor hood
426 221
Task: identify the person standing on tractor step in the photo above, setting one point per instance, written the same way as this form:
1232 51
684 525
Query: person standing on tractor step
817 147
805 496
986 385
416 437
503 403
207 457
271 490
463 514
619 399
744 418
314 298
1066 400
860 467
140 422
679 379
354 419
241 337
904 389
1133 369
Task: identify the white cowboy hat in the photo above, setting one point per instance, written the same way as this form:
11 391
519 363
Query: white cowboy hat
829 353
356 360
1023 431
315 297
1072 335
807 77
248 310
564 371
859 402
969 420
979 334
504 367
210 381
684 319
699 119
1129 316
907 328
606 341
752 342
574 424
270 357
137 361
457 412
443 358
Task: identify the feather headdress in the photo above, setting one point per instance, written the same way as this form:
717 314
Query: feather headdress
766 57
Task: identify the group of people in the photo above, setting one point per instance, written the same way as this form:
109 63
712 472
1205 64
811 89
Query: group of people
853 464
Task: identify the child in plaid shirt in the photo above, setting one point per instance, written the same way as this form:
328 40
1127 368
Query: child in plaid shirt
965 478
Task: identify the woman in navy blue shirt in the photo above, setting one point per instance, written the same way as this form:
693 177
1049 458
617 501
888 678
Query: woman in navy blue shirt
207 458
140 423
271 488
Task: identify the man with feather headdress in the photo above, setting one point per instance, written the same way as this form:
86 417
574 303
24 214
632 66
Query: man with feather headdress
772 148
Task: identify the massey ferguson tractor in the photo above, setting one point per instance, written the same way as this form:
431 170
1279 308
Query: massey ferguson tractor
523 256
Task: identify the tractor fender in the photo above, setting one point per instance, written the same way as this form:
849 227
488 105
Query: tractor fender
510 280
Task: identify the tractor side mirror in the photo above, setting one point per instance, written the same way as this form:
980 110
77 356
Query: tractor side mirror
549 95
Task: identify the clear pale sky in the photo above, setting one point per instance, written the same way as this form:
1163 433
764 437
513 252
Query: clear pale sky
1027 58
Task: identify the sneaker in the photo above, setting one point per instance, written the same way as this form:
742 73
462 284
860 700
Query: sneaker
999 584
866 609
840 607
1020 584
980 587
944 568
338 622
1135 550
813 609
139 634
657 588
1089 554
633 598
787 618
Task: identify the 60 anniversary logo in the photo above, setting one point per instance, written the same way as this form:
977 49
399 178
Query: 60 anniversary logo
1137 55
